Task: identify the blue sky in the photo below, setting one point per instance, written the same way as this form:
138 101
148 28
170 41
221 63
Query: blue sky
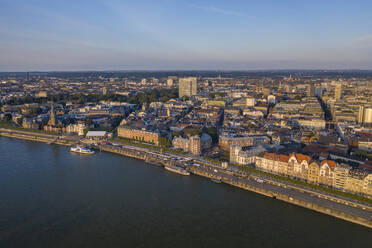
184 34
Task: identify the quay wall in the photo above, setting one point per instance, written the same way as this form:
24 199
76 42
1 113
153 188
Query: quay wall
33 136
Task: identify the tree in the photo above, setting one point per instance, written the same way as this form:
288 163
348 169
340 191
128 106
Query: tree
193 132
212 131
7 117
177 133
86 130
164 142
19 121
164 99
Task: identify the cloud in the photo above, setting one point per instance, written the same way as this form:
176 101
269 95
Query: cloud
216 10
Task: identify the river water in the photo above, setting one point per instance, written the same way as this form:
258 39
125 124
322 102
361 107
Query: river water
50 197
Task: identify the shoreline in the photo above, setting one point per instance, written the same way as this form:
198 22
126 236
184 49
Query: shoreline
53 139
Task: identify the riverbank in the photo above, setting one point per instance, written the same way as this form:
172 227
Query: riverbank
160 159
240 183
35 136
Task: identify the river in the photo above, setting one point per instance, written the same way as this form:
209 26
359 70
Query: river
50 197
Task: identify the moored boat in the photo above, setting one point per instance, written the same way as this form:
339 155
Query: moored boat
216 180
177 169
81 149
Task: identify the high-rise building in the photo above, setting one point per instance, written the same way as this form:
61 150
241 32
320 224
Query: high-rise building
338 91
187 87
195 145
310 90
365 114
319 91
104 91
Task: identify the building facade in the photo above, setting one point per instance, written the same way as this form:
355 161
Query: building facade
141 135
187 87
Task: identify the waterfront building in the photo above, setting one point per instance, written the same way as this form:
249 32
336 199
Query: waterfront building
355 180
274 163
313 173
367 186
30 123
341 174
136 134
181 143
195 145
244 156
54 125
299 163
96 135
327 172
77 128
187 87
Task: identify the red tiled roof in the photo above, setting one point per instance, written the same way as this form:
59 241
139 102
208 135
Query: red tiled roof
276 157
332 164
301 157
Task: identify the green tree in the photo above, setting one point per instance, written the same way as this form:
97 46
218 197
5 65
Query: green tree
19 121
164 142
86 130
212 131
7 117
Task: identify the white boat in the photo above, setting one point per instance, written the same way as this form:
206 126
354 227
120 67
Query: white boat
81 149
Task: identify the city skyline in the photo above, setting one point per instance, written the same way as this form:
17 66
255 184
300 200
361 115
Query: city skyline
184 35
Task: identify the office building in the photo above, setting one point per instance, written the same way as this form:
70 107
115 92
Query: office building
365 114
338 91
187 86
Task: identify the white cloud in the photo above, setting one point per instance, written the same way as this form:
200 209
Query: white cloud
217 10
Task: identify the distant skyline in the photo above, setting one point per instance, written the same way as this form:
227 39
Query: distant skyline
40 35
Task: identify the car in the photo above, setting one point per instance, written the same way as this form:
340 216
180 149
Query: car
215 170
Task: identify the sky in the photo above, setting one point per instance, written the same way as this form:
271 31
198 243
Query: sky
73 35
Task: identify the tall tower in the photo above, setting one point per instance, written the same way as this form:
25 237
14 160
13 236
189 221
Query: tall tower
187 87
338 91
310 90
52 120
195 145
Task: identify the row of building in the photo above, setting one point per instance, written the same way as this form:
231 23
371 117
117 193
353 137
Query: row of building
300 166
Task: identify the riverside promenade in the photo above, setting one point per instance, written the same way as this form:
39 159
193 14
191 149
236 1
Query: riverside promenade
339 208
36 136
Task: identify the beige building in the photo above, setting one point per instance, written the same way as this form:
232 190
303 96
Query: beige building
327 172
338 91
313 173
244 157
341 176
195 145
298 165
226 141
141 135
274 163
187 87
